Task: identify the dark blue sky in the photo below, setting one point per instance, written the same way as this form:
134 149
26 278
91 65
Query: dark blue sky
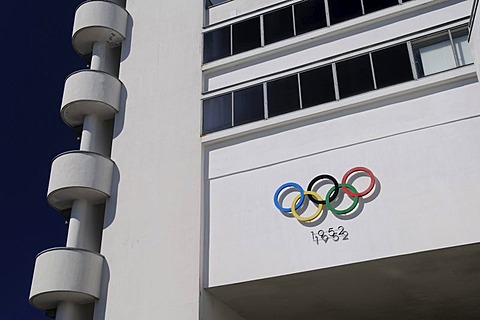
37 56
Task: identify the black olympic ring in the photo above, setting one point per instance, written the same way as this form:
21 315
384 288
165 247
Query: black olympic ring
318 178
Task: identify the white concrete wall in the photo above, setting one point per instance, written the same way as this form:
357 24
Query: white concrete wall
151 239
423 150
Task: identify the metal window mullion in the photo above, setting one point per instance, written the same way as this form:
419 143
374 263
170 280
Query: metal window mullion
265 101
231 39
327 12
233 110
293 21
412 60
262 32
299 91
454 50
373 70
335 81
363 7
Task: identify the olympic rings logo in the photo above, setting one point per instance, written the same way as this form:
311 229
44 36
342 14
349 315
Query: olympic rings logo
331 195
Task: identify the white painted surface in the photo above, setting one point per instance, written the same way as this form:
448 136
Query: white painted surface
152 231
152 225
421 150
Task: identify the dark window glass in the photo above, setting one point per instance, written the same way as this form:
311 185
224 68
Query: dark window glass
392 65
216 44
375 5
211 3
354 76
283 96
341 10
317 86
248 105
217 113
310 15
246 35
278 25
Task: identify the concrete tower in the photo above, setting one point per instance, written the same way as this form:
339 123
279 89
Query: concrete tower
269 159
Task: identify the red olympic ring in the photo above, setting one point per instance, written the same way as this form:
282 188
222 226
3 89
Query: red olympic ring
366 191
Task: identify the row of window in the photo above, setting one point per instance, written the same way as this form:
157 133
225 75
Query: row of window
377 69
285 23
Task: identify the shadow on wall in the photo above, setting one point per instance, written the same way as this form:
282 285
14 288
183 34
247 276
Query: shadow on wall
101 304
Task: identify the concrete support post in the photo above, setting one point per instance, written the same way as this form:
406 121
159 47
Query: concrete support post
96 135
84 230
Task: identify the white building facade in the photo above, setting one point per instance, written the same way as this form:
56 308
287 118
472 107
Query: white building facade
210 132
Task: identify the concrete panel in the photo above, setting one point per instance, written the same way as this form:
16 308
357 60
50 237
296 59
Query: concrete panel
422 152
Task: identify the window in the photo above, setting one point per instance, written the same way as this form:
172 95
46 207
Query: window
246 35
310 15
317 86
392 65
248 105
375 5
283 96
342 10
442 52
462 49
217 113
216 44
374 70
433 55
354 76
278 25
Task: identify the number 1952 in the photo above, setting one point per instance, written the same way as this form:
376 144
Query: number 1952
335 234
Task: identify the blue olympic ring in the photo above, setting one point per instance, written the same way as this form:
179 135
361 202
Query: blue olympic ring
286 185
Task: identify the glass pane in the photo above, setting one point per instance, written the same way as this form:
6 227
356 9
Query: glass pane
392 65
217 113
278 25
317 86
375 5
342 10
354 76
310 15
463 49
283 96
248 105
246 35
434 55
216 44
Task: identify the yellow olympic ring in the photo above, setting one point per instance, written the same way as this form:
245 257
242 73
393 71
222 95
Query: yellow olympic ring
312 217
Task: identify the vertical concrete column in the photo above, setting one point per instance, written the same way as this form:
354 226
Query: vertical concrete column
85 226
96 135
73 311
